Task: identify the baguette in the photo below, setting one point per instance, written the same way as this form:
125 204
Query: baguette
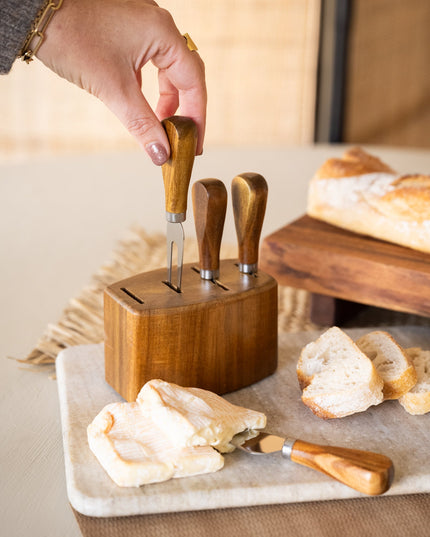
336 377
417 400
391 361
360 193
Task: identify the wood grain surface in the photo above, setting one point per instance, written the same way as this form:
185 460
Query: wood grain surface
367 472
312 255
210 206
249 195
182 135
217 337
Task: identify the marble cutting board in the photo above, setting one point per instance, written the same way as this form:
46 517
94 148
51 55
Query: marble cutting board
245 479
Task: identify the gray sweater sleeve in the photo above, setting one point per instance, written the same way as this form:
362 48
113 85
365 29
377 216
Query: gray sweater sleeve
16 17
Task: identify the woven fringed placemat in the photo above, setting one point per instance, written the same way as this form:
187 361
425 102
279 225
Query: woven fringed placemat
82 319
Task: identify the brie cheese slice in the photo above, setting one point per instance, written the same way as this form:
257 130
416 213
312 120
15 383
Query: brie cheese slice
168 432
134 450
196 417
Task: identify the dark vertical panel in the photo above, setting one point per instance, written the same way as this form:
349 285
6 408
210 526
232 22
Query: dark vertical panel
333 53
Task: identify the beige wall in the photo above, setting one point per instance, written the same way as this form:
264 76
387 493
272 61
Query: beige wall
261 62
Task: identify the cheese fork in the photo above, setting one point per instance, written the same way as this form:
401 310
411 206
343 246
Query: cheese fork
182 135
365 471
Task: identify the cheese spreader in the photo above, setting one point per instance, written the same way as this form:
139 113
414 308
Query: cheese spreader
210 205
182 135
365 471
249 196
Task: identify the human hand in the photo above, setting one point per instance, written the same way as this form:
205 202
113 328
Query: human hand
102 45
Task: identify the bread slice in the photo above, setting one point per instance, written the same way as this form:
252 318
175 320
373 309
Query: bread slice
338 379
417 400
391 361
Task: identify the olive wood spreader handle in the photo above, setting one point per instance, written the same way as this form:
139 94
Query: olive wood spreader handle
210 206
249 195
182 134
367 472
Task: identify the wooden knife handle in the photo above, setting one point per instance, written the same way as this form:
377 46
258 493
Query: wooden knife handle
182 135
210 205
249 195
367 472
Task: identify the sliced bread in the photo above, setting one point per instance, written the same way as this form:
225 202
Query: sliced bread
337 377
417 400
391 361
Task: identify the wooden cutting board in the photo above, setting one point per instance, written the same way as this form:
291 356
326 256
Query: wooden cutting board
324 259
245 479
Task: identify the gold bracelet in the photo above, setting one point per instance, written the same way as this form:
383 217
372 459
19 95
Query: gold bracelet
37 31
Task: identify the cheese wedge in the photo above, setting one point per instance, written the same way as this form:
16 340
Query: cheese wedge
196 417
168 432
134 451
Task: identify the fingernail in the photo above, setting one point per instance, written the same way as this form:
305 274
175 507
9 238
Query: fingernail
157 152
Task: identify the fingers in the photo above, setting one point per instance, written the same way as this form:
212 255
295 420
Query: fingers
177 87
132 109
182 83
193 105
168 101
193 99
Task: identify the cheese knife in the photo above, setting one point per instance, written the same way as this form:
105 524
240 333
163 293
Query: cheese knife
210 206
365 471
249 196
182 135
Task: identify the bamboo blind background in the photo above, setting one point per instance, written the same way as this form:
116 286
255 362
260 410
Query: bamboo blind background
387 97
261 67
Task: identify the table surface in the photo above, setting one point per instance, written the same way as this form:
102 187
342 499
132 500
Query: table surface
60 219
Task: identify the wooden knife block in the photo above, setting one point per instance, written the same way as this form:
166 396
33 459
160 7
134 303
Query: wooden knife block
220 338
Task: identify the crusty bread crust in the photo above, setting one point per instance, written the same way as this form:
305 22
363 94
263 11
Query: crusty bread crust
417 400
360 193
319 411
354 162
408 200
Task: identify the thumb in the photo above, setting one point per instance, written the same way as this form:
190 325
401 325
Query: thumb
133 110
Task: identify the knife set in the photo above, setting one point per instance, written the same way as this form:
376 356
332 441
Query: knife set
215 325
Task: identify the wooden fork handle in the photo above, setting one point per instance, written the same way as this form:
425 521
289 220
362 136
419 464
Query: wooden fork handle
182 135
367 472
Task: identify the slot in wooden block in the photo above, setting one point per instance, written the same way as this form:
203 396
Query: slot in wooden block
217 337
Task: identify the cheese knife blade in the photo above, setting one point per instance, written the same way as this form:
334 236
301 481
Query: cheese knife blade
182 135
249 196
210 206
365 471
